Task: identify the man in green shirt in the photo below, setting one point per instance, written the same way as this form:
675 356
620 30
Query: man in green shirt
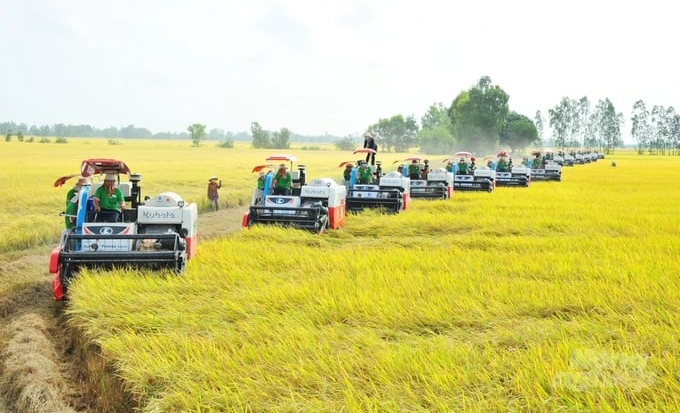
282 180
72 203
260 180
414 170
108 200
364 174
462 167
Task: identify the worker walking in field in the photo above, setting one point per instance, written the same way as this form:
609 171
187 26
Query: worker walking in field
213 193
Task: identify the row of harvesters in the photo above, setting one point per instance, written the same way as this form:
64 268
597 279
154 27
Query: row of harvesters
160 232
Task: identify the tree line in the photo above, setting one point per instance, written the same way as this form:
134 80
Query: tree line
478 120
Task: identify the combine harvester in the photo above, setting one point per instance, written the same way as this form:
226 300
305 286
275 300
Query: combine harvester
389 192
543 168
509 174
314 206
157 234
471 178
431 183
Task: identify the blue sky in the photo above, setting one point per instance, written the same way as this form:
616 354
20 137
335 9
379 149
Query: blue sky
319 66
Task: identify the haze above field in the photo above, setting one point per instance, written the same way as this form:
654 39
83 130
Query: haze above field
322 67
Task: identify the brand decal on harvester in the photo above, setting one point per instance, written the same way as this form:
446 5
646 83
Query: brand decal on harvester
279 200
158 214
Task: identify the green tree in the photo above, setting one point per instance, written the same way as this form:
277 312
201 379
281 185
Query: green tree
478 115
608 125
20 136
519 132
560 122
345 144
435 135
260 137
8 135
640 129
539 122
281 139
197 131
580 125
396 133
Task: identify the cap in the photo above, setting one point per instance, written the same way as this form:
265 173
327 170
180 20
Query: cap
368 135
260 175
110 177
282 166
213 178
363 163
81 181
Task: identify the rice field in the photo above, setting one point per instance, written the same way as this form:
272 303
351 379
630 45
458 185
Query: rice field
558 297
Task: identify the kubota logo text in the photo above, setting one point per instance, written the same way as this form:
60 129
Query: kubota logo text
159 215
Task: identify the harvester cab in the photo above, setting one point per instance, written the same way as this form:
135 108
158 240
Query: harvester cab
543 168
158 234
510 174
315 205
427 183
468 176
391 193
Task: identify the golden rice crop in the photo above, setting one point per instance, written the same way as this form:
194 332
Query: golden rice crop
560 296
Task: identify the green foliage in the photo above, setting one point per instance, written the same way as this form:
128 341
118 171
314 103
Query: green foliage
311 148
8 136
539 122
20 136
607 125
197 131
396 133
44 140
518 132
437 140
260 137
281 139
477 116
61 139
435 136
114 142
227 143
30 139
345 144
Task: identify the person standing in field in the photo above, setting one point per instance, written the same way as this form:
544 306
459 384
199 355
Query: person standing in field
213 193
369 143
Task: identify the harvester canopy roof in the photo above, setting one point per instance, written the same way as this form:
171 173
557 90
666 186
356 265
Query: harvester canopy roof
91 167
